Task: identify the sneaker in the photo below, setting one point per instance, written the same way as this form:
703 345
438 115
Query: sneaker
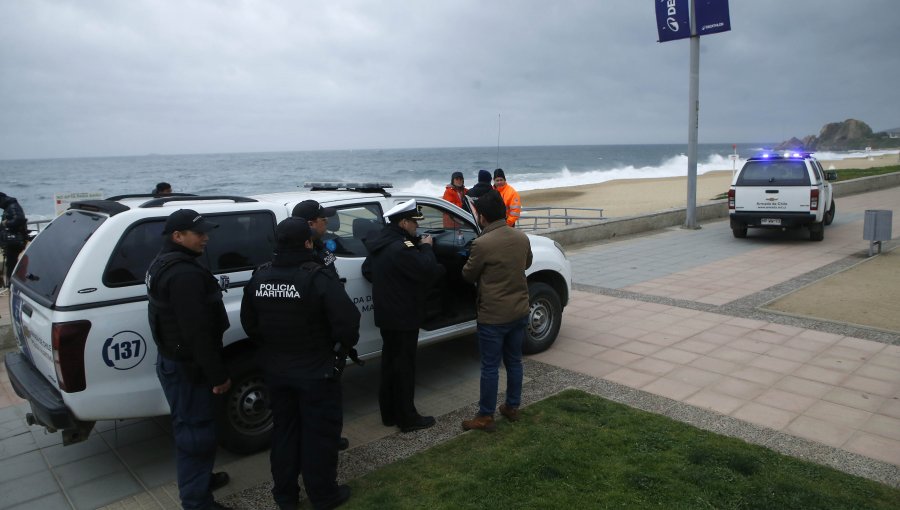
485 423
509 412
419 423
218 480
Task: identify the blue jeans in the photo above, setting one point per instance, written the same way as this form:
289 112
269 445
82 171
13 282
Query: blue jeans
194 427
496 342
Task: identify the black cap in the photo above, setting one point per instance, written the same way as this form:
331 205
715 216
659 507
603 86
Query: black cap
499 173
484 176
188 219
455 175
310 210
292 232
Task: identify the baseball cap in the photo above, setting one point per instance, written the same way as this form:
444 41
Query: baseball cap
188 219
310 210
293 231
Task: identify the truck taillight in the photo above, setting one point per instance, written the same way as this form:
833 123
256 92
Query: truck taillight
69 339
731 199
813 200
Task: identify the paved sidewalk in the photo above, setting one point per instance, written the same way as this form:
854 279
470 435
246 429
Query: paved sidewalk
668 321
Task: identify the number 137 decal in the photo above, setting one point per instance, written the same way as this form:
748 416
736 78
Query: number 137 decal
124 350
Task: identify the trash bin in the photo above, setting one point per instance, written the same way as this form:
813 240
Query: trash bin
877 228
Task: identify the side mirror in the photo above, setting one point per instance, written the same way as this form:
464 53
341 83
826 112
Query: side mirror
831 175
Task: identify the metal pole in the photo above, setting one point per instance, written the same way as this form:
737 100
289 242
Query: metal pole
693 121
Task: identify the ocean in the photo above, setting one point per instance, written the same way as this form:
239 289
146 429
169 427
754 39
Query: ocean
34 182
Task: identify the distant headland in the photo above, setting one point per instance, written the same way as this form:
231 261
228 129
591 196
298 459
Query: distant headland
850 134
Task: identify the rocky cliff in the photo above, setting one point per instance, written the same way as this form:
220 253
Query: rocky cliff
847 135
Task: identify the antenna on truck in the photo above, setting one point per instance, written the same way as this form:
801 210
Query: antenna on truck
498 141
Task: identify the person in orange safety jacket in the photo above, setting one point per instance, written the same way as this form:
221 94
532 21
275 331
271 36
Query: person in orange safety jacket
510 197
455 194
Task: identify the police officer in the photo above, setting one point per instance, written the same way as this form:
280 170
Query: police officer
13 232
187 319
317 216
305 325
402 268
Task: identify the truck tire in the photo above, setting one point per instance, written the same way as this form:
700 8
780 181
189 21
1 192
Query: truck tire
816 231
544 318
739 232
244 417
829 215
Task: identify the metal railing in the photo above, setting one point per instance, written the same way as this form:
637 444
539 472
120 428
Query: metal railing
553 216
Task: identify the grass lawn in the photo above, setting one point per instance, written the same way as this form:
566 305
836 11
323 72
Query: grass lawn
855 173
575 450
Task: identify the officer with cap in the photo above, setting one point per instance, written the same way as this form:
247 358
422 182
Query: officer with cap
187 319
305 325
317 216
402 267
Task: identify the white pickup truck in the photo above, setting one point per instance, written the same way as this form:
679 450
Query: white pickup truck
79 304
782 191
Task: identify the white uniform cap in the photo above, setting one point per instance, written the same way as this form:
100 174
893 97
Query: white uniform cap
407 209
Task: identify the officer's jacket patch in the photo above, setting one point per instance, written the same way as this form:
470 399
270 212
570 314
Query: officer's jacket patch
409 244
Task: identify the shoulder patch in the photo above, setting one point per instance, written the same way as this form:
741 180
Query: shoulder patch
409 244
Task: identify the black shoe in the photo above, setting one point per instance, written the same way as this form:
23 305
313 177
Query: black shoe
343 444
343 494
388 422
218 506
419 423
218 480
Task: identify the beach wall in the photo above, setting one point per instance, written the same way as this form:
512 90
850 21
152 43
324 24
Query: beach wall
616 227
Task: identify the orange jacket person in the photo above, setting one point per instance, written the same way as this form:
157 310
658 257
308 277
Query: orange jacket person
510 197
455 194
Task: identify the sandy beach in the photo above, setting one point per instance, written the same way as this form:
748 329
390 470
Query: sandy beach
635 196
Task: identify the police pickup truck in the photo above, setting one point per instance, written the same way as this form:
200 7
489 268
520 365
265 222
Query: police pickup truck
782 191
79 305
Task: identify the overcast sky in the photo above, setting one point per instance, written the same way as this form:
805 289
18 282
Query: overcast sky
111 77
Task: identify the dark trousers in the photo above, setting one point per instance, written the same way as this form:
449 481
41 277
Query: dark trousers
11 255
194 426
308 418
398 376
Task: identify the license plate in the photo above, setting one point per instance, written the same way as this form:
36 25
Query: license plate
771 221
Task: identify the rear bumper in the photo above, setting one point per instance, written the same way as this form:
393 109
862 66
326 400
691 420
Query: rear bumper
755 219
46 401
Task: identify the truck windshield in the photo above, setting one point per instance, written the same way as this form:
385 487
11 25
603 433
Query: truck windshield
45 264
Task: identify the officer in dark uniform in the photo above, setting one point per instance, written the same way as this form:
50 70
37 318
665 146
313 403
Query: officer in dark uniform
13 232
317 216
305 325
402 267
187 319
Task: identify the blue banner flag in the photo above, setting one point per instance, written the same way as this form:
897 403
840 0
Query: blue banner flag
712 16
673 19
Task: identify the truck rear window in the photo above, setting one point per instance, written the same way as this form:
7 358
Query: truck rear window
46 262
765 173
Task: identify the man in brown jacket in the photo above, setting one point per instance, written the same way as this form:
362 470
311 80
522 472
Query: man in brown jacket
497 262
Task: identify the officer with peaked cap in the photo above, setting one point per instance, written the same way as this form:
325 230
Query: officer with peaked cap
187 320
305 324
402 268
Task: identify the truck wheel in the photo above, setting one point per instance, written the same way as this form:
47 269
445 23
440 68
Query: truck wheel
829 215
816 231
739 232
544 318
244 418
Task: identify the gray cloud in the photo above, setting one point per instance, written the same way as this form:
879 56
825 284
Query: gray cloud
110 77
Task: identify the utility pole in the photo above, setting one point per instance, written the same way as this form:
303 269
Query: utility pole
693 124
